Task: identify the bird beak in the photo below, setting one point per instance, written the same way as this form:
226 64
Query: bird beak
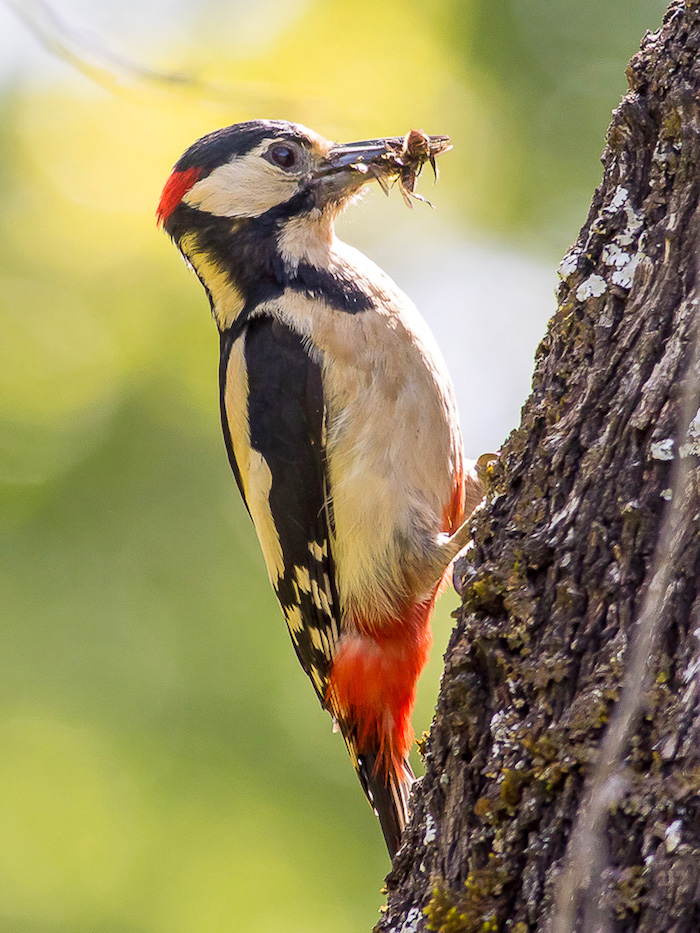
349 166
376 151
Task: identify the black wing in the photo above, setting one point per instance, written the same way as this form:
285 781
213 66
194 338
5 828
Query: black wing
286 418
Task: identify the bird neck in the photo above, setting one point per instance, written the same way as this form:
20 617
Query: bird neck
307 239
244 262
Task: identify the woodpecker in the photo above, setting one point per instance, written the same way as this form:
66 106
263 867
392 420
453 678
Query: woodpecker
339 420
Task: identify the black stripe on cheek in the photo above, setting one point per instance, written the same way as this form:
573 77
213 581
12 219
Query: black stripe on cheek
339 291
246 250
243 250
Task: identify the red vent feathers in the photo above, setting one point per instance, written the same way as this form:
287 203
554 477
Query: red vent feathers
176 187
373 682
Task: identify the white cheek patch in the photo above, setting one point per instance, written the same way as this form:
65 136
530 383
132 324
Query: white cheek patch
247 186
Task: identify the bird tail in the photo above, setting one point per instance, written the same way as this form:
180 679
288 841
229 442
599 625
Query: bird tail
388 793
372 688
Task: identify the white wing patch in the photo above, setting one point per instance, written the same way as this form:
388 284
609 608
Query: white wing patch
259 486
320 598
303 579
294 619
318 551
256 476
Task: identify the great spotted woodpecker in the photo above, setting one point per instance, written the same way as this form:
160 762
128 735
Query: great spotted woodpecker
339 421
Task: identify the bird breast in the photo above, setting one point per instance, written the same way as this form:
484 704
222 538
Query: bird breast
393 441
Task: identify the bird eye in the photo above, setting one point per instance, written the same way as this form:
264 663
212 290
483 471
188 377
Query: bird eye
283 156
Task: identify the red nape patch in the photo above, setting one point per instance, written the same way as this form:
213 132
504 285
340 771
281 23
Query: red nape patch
373 684
176 187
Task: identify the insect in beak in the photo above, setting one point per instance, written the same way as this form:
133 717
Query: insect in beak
393 159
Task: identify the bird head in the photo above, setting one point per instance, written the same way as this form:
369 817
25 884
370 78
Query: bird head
248 169
247 204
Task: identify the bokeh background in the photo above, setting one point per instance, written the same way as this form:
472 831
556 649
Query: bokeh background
164 766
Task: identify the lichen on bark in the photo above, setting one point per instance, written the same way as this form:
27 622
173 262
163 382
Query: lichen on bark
563 551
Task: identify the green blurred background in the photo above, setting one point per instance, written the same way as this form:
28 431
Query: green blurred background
164 766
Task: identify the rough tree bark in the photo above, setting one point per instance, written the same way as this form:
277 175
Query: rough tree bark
557 590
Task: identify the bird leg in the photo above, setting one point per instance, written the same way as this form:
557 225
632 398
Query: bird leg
444 550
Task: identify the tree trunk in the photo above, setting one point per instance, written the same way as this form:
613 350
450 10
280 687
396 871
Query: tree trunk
572 676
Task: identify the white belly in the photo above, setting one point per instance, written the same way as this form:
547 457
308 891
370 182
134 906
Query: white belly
392 454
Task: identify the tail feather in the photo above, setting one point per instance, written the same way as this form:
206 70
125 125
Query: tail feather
388 794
